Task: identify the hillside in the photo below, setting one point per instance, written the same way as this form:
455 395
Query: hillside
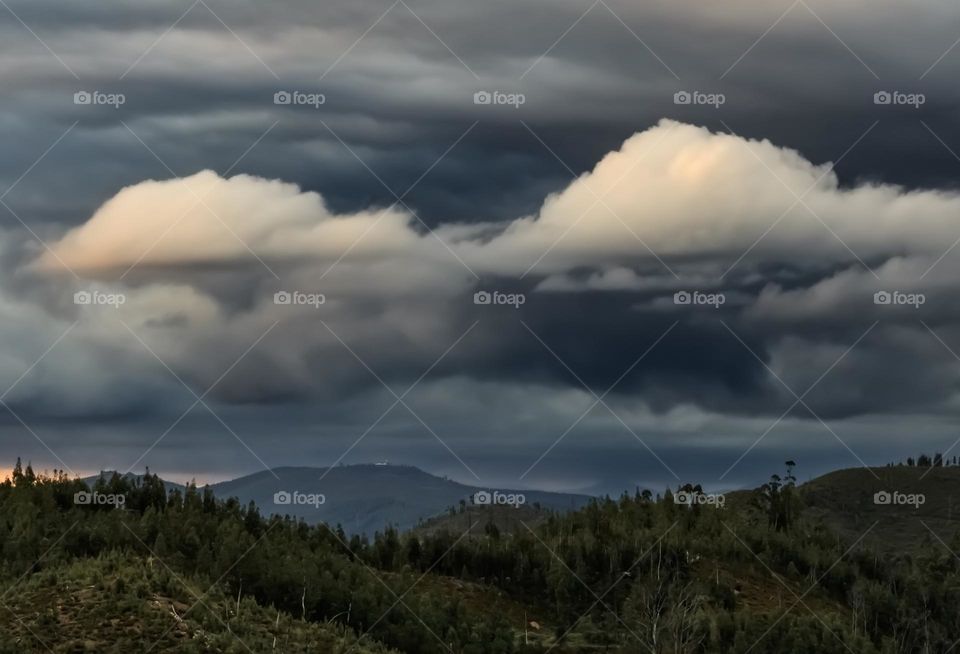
479 519
122 603
844 500
634 574
365 499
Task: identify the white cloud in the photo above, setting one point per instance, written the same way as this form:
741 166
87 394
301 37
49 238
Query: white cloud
200 296
680 190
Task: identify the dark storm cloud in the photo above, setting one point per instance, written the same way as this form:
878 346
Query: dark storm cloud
596 300
199 99
400 98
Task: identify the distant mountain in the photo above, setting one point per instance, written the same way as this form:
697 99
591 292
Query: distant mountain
107 474
367 498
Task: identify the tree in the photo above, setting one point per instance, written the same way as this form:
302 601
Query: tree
777 498
666 615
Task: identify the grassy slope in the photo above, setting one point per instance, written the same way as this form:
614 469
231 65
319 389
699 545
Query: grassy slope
844 499
134 605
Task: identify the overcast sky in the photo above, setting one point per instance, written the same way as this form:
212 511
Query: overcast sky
239 235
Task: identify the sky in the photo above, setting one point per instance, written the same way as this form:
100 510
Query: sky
557 245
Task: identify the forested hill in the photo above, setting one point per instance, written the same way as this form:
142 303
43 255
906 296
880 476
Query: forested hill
637 573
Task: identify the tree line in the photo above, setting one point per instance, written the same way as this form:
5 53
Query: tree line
636 573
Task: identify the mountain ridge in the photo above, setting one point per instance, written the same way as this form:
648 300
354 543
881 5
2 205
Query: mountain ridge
363 498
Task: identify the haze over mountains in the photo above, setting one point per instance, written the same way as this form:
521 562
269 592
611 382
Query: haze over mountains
365 498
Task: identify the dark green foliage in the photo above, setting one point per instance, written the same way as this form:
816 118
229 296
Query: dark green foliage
121 603
633 574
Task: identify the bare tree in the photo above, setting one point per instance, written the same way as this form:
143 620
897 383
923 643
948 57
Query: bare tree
666 615
683 618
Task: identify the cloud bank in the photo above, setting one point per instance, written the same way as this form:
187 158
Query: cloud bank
677 207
